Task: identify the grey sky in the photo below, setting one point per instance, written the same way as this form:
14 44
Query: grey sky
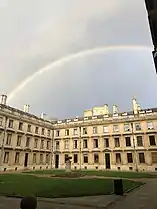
35 33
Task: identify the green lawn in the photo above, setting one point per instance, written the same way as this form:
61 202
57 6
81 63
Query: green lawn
131 175
22 184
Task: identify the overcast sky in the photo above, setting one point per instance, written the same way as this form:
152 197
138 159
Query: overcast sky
35 33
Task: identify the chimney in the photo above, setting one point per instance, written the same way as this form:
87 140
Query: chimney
115 109
26 108
3 99
138 107
42 115
106 110
135 105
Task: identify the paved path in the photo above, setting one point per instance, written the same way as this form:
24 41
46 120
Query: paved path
99 202
144 197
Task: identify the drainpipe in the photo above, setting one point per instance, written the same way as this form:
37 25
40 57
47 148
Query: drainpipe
52 149
80 145
135 152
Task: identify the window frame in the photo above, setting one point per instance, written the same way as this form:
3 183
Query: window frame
118 140
95 129
75 158
120 158
151 127
152 144
105 129
138 144
126 143
96 158
141 160
17 157
136 125
19 139
131 155
115 130
126 125
11 123
85 140
6 156
106 142
85 158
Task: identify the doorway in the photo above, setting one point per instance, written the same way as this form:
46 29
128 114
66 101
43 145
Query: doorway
56 161
26 160
107 160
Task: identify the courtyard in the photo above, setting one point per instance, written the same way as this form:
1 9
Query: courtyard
58 183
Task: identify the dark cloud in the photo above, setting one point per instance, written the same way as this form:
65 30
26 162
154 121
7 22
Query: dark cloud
33 34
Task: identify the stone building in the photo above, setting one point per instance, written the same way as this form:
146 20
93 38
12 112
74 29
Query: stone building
25 140
98 140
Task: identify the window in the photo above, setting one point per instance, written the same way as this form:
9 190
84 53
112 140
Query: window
129 157
105 128
57 145
20 126
75 144
115 128
95 130
66 144
141 158
29 128
96 158
117 142
36 130
27 141
48 145
1 121
118 158
35 143
127 127
48 132
84 131
152 140
41 158
139 141
128 141
85 158
138 126
34 158
154 157
42 131
67 132
19 141
66 157
57 133
17 157
10 125
6 157
106 142
96 143
47 158
42 144
85 144
9 137
75 131
75 158
150 125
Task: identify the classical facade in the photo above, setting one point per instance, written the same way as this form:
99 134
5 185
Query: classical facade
25 140
98 140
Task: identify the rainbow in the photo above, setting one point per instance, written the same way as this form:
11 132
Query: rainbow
69 58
